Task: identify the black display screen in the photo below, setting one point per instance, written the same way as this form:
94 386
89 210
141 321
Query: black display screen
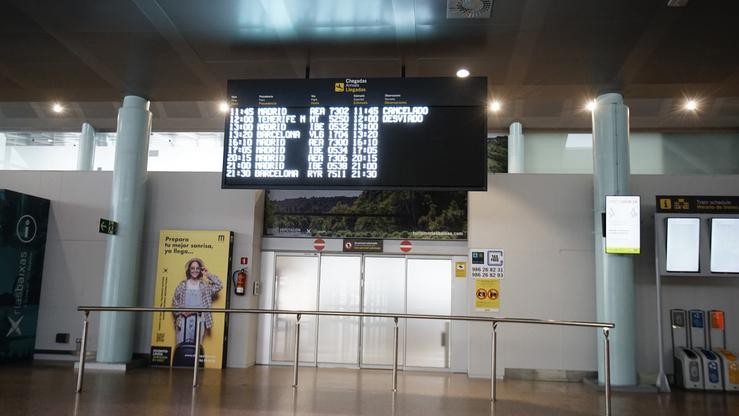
357 133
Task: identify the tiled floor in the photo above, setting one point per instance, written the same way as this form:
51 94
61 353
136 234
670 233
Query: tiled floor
49 390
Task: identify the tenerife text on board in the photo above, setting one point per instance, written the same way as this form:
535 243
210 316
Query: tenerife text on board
356 133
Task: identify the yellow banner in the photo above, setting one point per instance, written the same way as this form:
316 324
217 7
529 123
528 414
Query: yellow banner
192 271
487 295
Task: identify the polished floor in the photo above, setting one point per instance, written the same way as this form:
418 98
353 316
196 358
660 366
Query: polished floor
261 390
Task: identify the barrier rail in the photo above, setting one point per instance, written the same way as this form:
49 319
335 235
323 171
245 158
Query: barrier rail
606 327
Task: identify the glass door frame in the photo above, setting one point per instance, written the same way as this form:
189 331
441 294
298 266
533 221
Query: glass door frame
402 323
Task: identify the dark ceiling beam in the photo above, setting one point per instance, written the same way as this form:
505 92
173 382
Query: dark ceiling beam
167 28
43 19
17 78
532 22
654 32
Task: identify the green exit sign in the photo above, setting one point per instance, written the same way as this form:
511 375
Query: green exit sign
108 226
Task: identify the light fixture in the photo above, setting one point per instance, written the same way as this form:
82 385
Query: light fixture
463 73
223 107
495 106
591 106
57 108
690 105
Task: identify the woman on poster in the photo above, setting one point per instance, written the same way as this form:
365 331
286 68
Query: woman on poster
197 291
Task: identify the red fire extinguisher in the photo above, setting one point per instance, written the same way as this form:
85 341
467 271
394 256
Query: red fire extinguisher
239 278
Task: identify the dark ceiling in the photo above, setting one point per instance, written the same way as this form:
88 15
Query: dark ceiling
543 58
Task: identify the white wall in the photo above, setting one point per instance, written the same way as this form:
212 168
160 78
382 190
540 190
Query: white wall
545 225
544 222
75 251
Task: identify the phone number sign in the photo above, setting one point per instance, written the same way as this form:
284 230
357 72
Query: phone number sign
487 263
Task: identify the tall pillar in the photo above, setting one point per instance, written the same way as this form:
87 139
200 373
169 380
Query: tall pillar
3 143
614 273
86 149
515 148
120 281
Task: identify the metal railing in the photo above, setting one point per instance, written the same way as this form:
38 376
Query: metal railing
494 321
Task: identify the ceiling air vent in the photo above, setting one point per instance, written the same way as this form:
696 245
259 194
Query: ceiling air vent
468 9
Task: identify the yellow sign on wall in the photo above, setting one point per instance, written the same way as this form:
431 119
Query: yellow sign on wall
487 295
460 269
192 271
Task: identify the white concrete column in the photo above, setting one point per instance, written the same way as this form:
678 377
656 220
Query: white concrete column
120 281
614 273
516 158
3 143
86 149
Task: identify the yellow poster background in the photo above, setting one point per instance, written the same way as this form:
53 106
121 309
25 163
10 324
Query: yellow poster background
176 249
487 295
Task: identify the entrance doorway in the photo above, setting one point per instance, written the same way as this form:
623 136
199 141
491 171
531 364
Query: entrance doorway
362 283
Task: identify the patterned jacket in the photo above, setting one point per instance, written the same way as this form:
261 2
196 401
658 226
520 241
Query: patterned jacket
208 291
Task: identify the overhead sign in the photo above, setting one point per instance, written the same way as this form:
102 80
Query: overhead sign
357 133
692 204
622 224
354 245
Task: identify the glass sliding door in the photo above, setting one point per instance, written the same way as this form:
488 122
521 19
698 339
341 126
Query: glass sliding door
296 288
340 285
429 292
384 292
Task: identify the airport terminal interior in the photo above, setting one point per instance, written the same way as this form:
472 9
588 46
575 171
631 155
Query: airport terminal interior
375 207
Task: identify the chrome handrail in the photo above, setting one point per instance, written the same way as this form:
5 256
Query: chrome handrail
605 326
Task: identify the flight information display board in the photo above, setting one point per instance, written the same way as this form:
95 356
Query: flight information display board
357 133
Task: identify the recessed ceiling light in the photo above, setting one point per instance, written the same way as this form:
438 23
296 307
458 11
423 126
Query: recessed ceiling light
57 108
495 106
690 105
591 106
463 73
223 107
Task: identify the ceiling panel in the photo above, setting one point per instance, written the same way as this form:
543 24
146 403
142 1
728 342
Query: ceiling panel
91 16
17 110
181 109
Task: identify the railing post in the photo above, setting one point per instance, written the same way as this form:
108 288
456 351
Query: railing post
83 347
493 363
395 355
297 352
607 368
197 351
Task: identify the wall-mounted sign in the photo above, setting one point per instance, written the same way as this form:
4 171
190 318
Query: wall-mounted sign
693 204
622 224
487 263
460 269
355 245
487 295
108 226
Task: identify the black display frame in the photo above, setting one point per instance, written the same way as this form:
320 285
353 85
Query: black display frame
449 96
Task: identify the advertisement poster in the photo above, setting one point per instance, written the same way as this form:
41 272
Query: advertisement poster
487 295
192 271
23 225
417 215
